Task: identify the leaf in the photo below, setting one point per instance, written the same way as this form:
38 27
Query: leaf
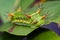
25 3
47 35
52 8
6 26
18 30
7 7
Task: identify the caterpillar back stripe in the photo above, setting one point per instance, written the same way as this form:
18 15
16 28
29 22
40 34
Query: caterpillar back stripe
22 21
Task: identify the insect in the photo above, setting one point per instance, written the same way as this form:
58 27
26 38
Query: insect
21 19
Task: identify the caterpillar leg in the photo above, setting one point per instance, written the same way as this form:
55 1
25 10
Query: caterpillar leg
37 12
10 16
44 16
28 16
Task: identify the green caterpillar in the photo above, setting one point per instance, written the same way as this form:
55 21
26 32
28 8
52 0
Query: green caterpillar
24 19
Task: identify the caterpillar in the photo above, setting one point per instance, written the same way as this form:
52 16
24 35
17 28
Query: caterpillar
25 19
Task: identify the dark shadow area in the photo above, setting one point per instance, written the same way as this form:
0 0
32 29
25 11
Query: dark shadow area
36 32
7 36
1 22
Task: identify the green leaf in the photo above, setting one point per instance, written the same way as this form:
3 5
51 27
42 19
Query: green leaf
47 35
7 6
53 10
25 3
18 30
6 26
